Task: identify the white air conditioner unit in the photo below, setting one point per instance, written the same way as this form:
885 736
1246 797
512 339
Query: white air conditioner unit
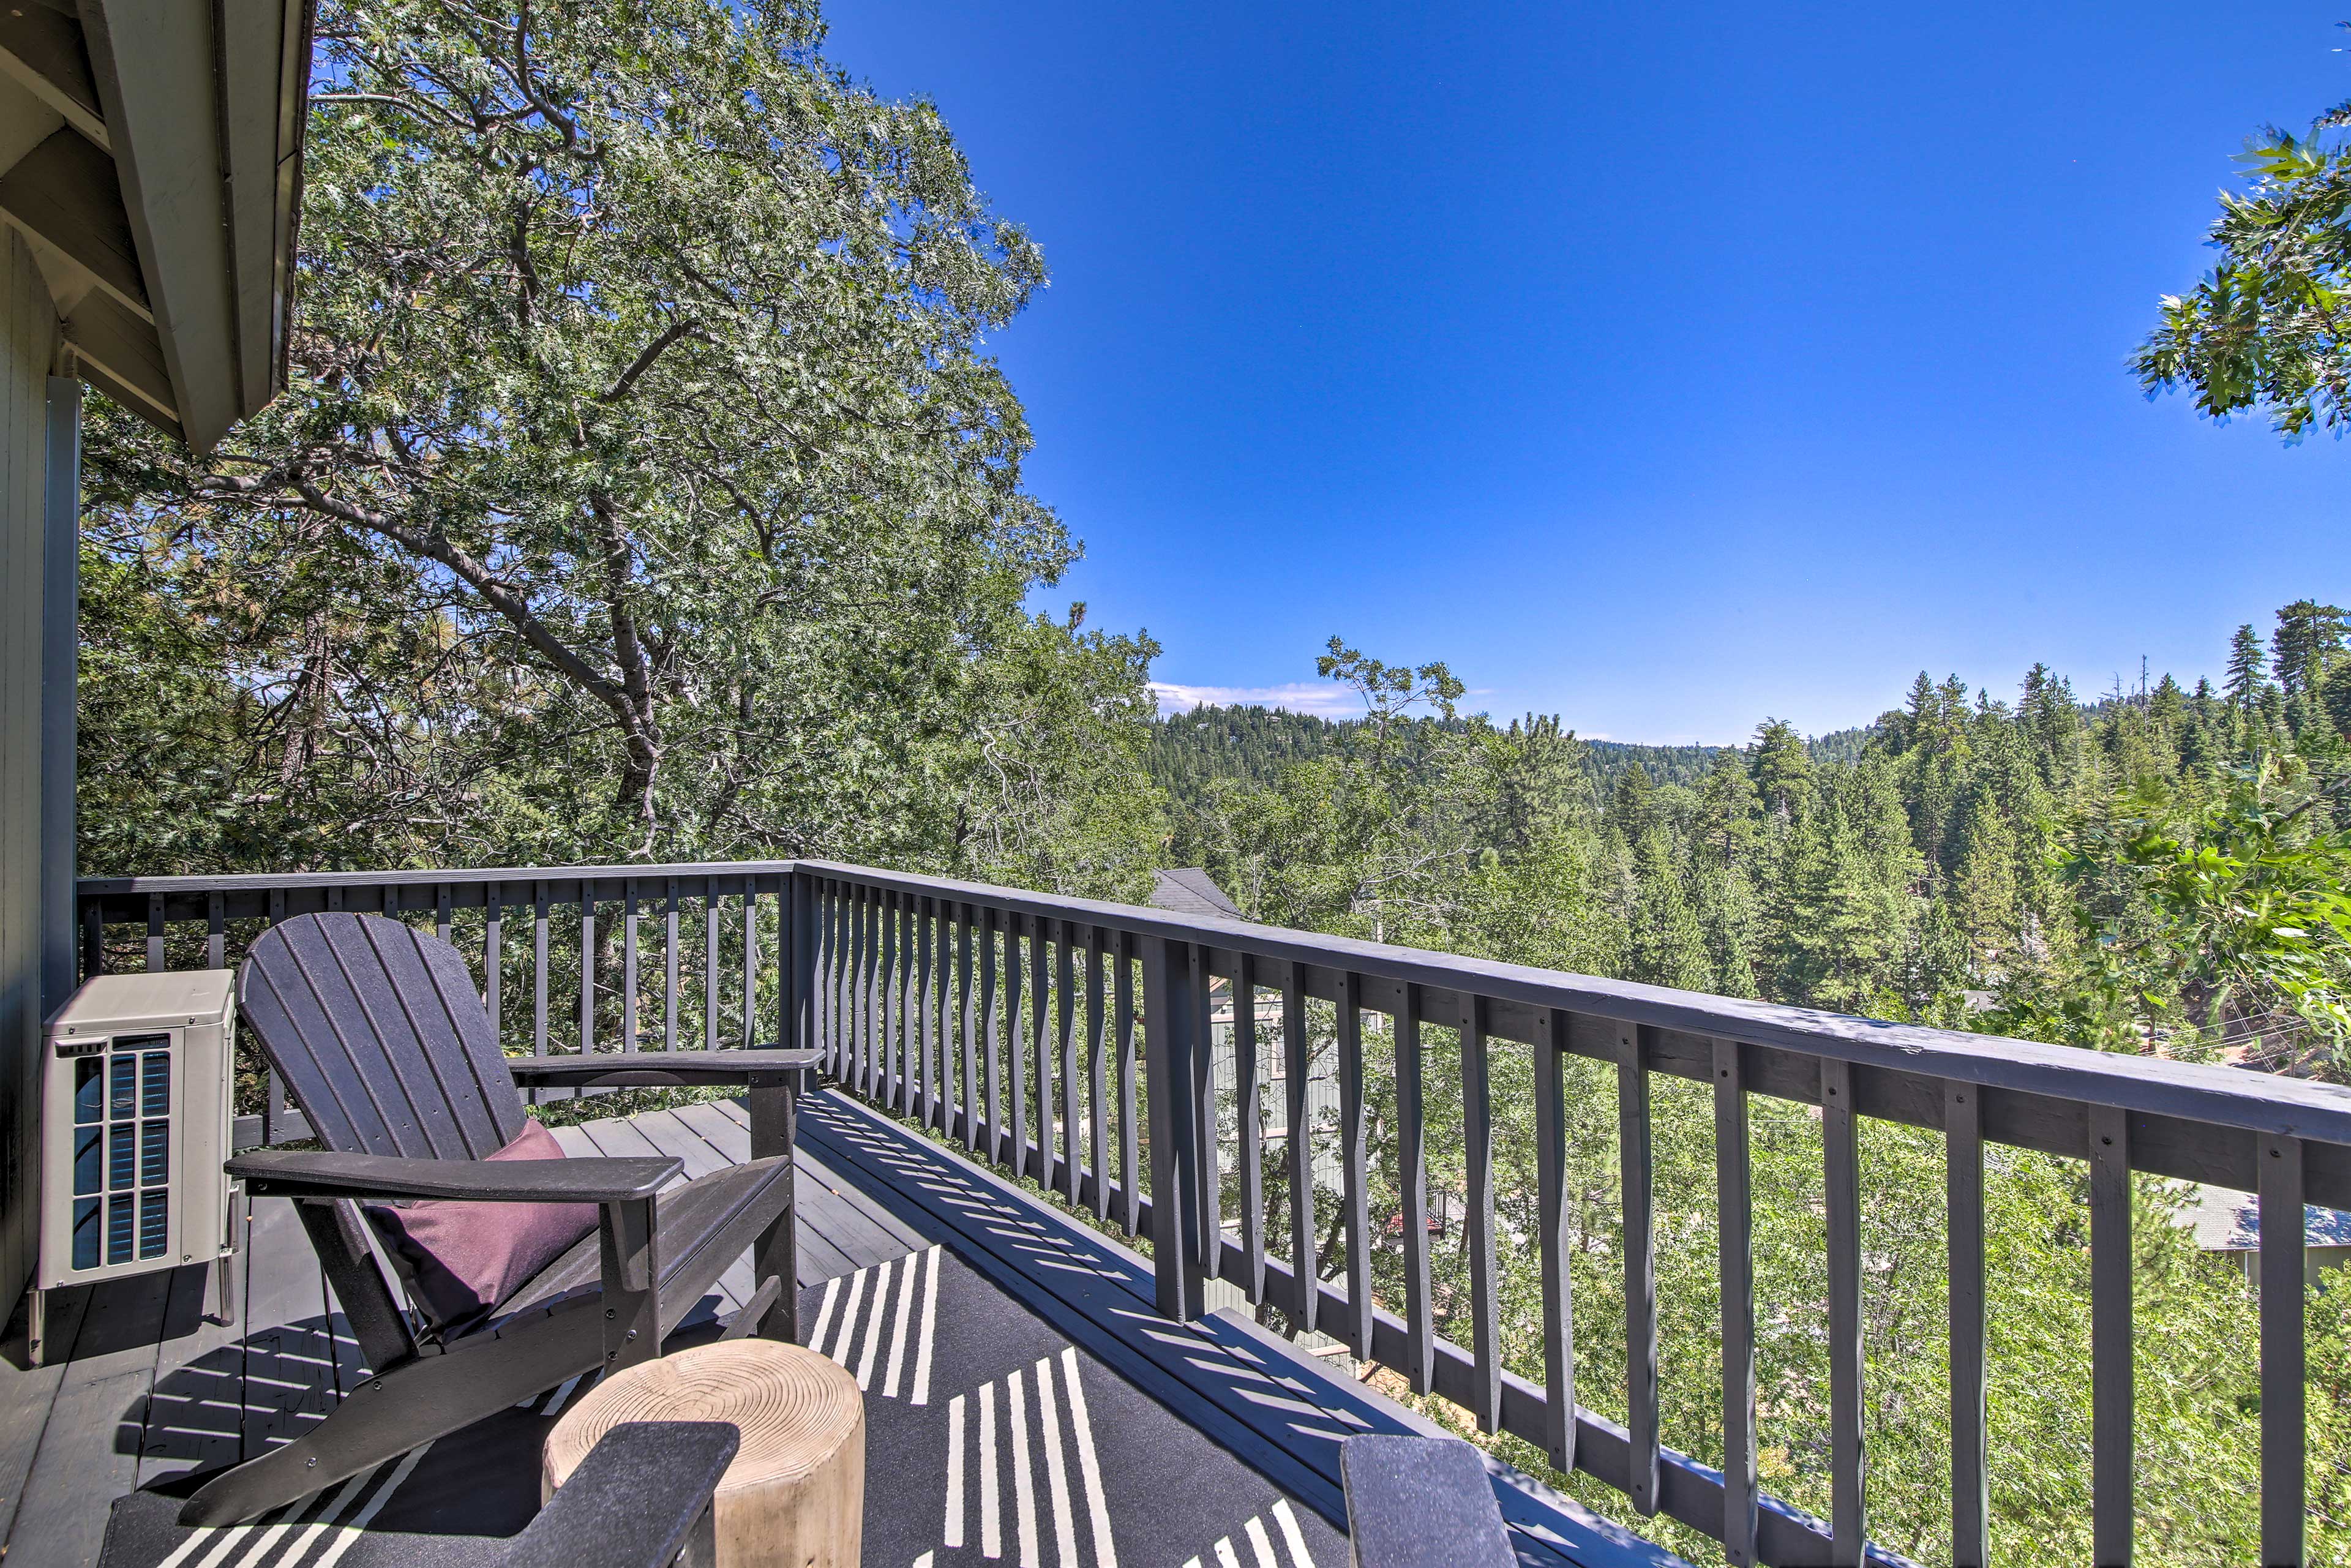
134 1128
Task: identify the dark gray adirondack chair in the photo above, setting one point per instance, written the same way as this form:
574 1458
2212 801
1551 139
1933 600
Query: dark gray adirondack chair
384 1043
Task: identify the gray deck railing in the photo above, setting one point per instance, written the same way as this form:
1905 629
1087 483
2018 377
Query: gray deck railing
1008 1021
536 926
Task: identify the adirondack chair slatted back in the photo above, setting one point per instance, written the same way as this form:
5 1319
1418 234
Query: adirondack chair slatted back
380 1037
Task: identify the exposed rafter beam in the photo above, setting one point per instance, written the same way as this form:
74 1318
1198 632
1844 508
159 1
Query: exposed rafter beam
43 50
64 192
120 354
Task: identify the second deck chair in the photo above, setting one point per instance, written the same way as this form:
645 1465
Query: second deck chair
384 1043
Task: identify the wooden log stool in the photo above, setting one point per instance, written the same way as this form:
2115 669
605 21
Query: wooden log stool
795 1494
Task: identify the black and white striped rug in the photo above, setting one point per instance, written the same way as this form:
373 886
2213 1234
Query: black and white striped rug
990 1439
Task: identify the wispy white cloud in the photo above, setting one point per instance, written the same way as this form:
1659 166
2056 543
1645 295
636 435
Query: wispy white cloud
1324 699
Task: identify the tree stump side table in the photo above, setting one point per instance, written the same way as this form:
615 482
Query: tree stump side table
796 1492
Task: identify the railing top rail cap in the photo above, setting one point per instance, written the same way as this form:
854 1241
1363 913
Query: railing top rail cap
262 882
2226 1096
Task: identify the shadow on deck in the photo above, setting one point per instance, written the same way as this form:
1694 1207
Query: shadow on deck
1024 1399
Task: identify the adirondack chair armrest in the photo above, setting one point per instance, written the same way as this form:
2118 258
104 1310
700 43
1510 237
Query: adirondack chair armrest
1420 1502
320 1173
662 1069
639 1500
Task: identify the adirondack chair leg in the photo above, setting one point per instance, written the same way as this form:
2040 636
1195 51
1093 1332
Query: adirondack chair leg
426 1399
774 1116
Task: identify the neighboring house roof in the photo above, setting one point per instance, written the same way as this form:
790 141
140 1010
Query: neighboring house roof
1191 891
150 155
2227 1220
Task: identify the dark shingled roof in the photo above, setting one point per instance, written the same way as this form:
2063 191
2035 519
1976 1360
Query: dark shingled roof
1193 892
2226 1221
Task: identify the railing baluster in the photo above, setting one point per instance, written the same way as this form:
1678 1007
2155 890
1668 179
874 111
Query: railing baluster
910 1020
587 966
871 996
873 1080
836 982
1065 1009
1477 1146
1130 1173
903 1101
1249 1122
710 918
820 906
861 990
1015 1067
1202 1087
217 931
1097 1113
2111 1392
885 995
629 963
273 1119
538 973
154 931
796 970
1841 1167
2281 1269
1040 998
750 966
1964 1206
943 960
1412 1163
1552 1238
669 964
494 956
893 995
965 1041
1637 1176
1733 1180
440 911
1355 1190
992 1040
942 931
927 1092
875 998
1298 1150
93 939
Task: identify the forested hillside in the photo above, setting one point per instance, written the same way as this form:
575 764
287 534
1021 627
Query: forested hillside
1191 748
2154 871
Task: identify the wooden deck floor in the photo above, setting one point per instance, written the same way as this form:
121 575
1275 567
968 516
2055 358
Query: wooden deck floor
139 1385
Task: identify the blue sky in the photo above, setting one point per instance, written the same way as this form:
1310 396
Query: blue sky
1663 367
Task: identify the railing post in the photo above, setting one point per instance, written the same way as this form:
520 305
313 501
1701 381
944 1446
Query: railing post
1170 1044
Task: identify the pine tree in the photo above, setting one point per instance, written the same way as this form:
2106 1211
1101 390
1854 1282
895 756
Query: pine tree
2244 681
1668 944
2308 642
2051 719
1727 810
2335 698
1628 806
1984 890
1783 772
1730 921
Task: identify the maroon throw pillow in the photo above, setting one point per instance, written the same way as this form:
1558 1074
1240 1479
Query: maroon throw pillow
461 1260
